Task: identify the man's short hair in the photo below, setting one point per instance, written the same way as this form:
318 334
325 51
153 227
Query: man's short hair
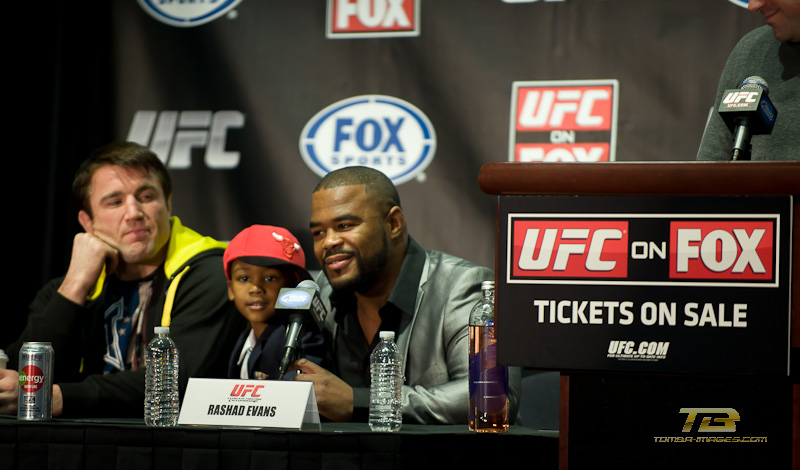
376 184
122 154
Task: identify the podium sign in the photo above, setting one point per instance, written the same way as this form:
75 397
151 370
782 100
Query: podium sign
673 284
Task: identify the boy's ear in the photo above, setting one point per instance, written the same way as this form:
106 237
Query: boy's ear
230 290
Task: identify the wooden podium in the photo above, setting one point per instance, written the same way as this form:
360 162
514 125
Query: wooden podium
634 401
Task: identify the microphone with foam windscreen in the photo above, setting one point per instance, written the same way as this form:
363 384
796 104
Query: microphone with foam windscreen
298 302
747 111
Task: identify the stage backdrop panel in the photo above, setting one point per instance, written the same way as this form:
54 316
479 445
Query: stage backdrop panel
250 108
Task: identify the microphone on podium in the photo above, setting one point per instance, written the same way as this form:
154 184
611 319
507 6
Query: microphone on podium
747 111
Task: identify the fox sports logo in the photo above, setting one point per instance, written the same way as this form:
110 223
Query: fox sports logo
382 132
187 14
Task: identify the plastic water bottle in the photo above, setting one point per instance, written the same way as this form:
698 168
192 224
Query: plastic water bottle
385 391
161 399
488 382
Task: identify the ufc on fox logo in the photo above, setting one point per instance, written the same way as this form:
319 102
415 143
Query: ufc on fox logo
563 121
729 250
574 249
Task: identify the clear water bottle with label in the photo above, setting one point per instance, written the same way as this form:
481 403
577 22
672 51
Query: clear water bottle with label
161 398
488 382
385 391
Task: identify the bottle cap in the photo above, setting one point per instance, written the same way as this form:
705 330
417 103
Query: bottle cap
387 335
487 285
161 330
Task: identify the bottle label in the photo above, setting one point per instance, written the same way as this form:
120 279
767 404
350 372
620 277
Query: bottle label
488 384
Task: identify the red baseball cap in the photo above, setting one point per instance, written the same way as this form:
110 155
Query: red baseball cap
266 245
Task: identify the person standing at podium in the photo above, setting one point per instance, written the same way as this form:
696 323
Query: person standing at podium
771 52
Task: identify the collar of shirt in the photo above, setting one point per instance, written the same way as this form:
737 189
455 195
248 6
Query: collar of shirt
244 356
404 293
352 349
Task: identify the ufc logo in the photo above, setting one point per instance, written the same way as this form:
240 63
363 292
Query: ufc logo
571 248
739 96
173 134
711 423
354 15
577 108
241 390
733 250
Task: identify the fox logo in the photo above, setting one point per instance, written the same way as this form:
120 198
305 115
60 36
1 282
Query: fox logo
722 250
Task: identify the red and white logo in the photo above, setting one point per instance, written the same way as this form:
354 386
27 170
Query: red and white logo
31 379
564 121
573 249
741 96
563 152
564 108
372 18
242 390
729 250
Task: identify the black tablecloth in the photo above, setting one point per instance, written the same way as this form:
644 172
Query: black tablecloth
123 444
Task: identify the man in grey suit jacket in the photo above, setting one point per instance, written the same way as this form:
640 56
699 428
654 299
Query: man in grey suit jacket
378 278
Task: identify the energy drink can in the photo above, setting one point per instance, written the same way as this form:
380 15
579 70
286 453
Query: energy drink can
35 382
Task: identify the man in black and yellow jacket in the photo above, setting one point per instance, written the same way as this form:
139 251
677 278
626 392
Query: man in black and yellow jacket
135 267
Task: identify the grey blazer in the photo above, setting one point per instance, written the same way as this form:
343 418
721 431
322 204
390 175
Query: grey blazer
435 345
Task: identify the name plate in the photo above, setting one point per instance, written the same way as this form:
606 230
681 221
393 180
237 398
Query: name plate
250 403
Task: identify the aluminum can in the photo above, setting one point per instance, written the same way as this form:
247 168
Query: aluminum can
35 382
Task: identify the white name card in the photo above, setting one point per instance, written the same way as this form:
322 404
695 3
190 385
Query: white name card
251 403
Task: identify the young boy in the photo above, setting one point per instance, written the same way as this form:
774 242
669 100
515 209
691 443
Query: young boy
258 262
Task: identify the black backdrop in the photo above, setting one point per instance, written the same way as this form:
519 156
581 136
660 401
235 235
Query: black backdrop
79 73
